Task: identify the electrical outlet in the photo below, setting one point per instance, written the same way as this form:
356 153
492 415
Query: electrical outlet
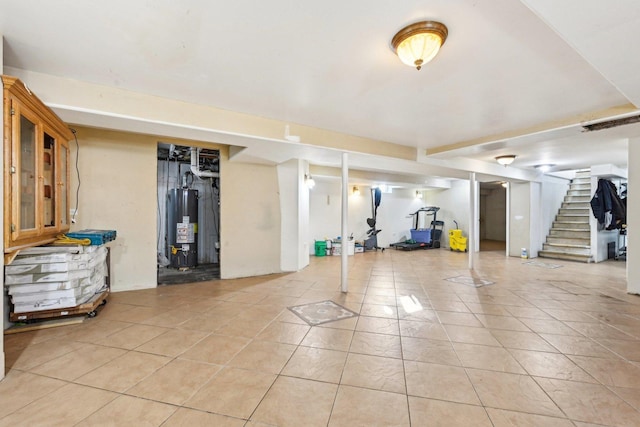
73 214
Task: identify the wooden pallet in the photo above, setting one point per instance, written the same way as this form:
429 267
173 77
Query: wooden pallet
88 308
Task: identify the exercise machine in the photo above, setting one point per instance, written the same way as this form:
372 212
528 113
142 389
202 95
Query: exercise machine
423 238
371 242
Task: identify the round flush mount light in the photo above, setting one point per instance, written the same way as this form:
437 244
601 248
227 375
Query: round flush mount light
506 160
419 43
544 168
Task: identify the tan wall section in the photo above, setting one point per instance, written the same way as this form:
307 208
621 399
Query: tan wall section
250 220
118 192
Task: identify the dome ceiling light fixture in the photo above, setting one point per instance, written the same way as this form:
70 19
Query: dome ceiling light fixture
506 160
419 43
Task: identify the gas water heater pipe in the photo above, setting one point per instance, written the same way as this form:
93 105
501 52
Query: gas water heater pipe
195 166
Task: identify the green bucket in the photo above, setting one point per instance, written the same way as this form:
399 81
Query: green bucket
321 248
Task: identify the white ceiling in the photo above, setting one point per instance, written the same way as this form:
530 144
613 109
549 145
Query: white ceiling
514 77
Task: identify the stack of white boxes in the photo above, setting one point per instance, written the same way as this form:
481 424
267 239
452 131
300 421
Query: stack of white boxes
52 277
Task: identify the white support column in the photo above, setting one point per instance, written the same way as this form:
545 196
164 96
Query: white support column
633 218
345 216
473 218
508 214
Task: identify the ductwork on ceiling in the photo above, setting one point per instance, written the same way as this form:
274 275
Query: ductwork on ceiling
611 123
195 166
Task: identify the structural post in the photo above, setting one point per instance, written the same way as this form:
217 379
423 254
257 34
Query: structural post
345 216
473 219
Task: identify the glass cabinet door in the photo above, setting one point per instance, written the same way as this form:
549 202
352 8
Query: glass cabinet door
49 187
27 177
63 183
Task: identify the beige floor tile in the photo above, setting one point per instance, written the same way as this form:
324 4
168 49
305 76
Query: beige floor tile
440 382
591 403
522 340
551 365
437 413
37 354
378 325
376 345
580 346
296 402
493 309
488 358
133 336
418 329
375 408
546 326
610 372
469 335
527 312
217 349
461 319
18 389
629 395
508 323
287 333
346 324
316 364
175 382
570 315
127 410
432 351
600 330
173 342
380 299
379 373
66 407
328 338
184 417
124 372
170 319
512 392
243 328
377 310
263 356
448 305
630 350
205 322
232 392
502 418
423 315
78 362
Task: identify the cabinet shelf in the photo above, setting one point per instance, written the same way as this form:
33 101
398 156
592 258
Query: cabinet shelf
36 148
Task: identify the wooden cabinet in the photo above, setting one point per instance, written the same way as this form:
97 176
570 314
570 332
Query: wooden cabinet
36 169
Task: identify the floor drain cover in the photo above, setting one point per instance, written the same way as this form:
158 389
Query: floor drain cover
470 281
542 264
321 312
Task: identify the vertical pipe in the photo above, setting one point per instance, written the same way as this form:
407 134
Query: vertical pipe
345 214
508 215
473 220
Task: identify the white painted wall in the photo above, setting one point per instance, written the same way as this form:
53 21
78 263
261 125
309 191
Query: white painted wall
325 206
536 236
633 218
294 208
454 205
520 220
552 196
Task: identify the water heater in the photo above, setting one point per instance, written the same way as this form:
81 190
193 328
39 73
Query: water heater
182 227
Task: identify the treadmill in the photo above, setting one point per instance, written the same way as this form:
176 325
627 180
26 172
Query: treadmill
428 238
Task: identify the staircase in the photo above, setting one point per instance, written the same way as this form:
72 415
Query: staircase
570 235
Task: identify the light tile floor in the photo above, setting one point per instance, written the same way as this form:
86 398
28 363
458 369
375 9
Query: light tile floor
539 347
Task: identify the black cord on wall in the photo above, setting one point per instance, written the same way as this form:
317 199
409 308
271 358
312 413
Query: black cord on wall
75 211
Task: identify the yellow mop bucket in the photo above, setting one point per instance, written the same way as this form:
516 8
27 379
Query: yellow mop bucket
456 241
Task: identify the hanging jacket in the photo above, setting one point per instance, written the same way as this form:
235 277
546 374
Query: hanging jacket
607 207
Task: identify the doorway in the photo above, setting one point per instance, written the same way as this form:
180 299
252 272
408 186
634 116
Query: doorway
493 216
188 214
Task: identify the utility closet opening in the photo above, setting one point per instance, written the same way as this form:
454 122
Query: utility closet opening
493 216
188 214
